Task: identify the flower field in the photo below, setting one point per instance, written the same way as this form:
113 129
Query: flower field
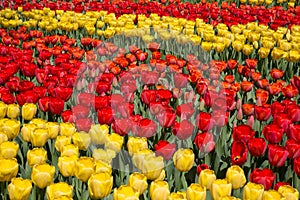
160 100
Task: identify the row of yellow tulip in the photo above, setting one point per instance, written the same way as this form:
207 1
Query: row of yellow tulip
283 43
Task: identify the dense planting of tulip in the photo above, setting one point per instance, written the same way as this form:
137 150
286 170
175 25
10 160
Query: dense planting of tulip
173 101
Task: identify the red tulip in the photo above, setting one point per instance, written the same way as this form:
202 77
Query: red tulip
293 147
277 108
204 121
149 78
294 132
277 155
164 96
239 153
180 80
248 109
105 115
262 113
282 120
294 112
183 130
8 98
144 128
257 146
278 184
63 93
56 106
231 64
166 118
100 102
296 167
251 63
80 111
205 142
83 124
44 103
247 86
265 177
153 46
185 111
122 126
242 133
165 149
273 133
28 96
289 91
68 116
85 99
276 73
296 81
103 87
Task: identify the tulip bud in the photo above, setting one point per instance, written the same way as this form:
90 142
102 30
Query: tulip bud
136 144
159 190
253 191
53 129
288 192
27 130
9 169
36 156
8 149
42 175
3 109
183 159
39 137
138 182
104 155
70 150
29 111
67 129
10 127
235 175
13 111
84 168
100 185
102 166
196 192
220 188
99 133
57 190
66 165
62 141
114 142
82 140
271 195
206 178
19 188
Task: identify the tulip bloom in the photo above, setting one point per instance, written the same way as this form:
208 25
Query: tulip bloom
196 192
288 192
67 129
125 192
10 127
19 188
99 133
13 111
206 178
39 137
135 144
257 146
114 142
84 168
273 133
58 190
53 129
165 149
220 188
62 141
152 166
138 182
9 169
28 111
243 133
271 194
239 153
159 190
82 140
277 155
8 150
36 156
265 177
42 175
235 175
204 121
102 166
66 165
3 138
104 155
183 159
183 130
253 191
205 142
100 185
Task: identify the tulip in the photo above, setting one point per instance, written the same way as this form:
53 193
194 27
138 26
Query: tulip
204 121
57 190
271 194
136 144
263 52
3 109
196 192
257 146
84 168
99 133
206 178
125 192
3 138
27 130
239 153
235 175
13 111
9 169
152 166
165 149
138 182
253 191
265 177
205 142
104 155
40 123
100 185
183 130
159 190
53 129
243 133
19 188
82 140
42 175
36 156
114 142
139 157
277 155
183 159
288 192
70 150
237 45
220 188
10 127
39 137
102 166
62 141
66 165
28 111
177 196
8 150
67 129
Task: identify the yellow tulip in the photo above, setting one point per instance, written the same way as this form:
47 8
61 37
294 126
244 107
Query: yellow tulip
84 168
70 150
152 166
99 133
10 127
235 175
19 188
263 52
267 43
253 191
247 49
36 156
253 36
40 123
62 141
53 129
125 193
13 111
220 188
278 53
139 157
206 46
196 192
104 155
183 159
29 111
237 45
27 130
82 140
219 47
288 192
39 137
138 182
136 144
177 196
100 185
8 149
57 190
9 169
114 142
3 138
271 195
206 178
159 190
235 29
294 56
229 198
67 129
42 175
285 45
66 165
101 166
3 109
